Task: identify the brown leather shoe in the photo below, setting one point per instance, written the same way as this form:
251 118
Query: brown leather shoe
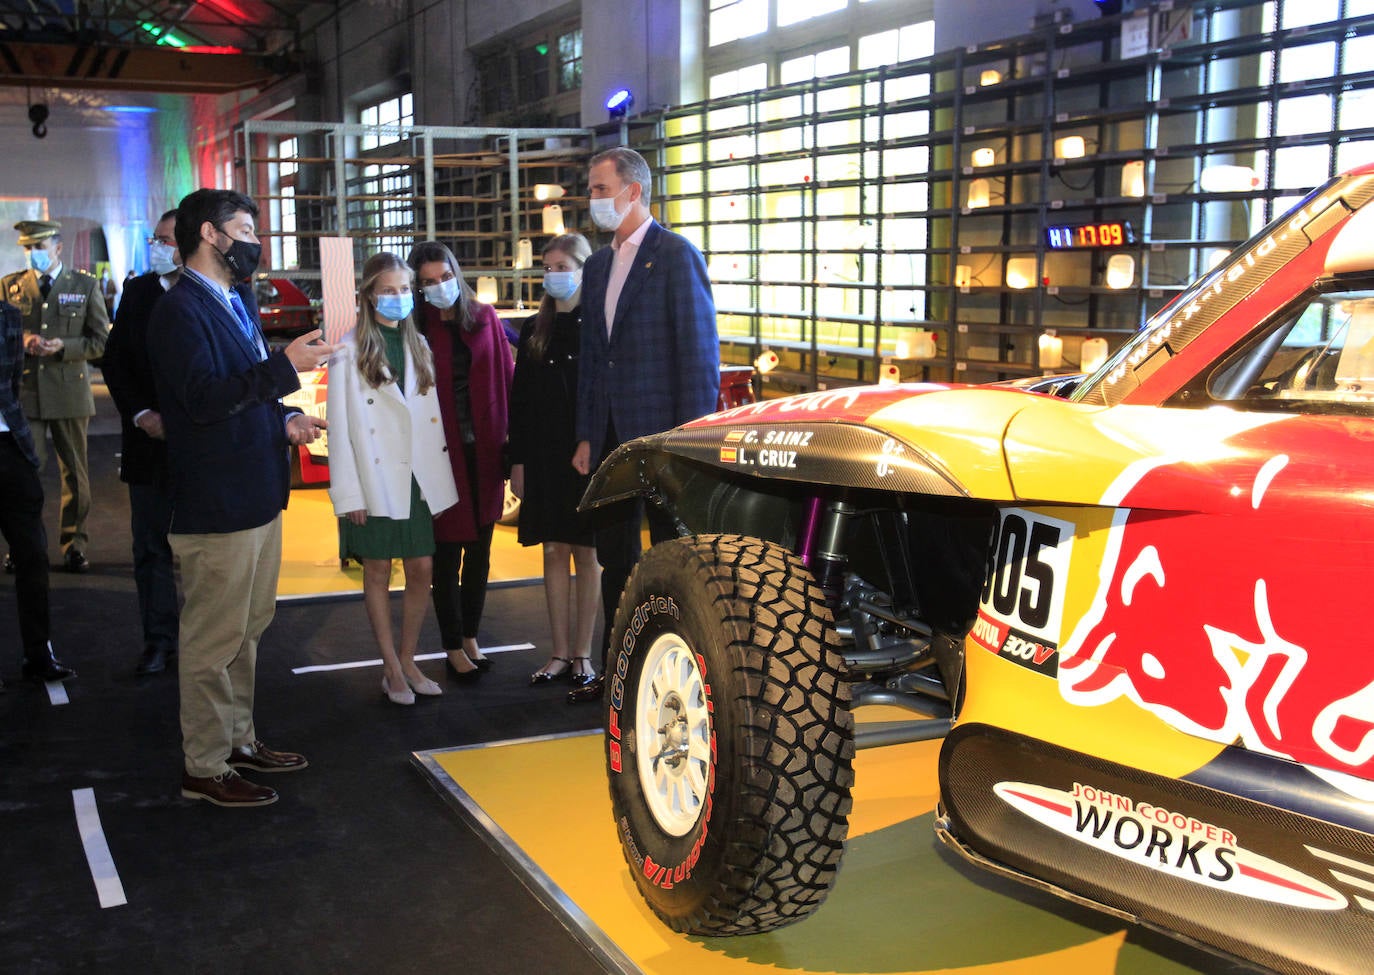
260 758
229 789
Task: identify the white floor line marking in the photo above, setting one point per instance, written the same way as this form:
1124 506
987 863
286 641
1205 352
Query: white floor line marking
103 872
350 665
57 692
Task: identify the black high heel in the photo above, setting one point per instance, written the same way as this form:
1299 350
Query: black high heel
481 663
463 675
582 680
544 677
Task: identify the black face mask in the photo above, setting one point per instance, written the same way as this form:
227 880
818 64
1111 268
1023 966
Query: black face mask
241 258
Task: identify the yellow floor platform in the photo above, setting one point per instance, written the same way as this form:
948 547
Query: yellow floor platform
901 905
310 552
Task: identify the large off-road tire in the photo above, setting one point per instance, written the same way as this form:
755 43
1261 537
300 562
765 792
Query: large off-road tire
729 741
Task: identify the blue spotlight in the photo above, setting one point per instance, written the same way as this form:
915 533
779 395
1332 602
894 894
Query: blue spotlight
620 103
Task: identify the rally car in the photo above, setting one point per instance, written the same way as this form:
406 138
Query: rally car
1132 612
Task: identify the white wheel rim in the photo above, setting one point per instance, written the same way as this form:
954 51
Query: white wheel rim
672 727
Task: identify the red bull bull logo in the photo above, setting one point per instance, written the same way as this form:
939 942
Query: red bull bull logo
1231 595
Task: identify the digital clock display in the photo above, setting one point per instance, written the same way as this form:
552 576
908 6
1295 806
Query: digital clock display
1066 235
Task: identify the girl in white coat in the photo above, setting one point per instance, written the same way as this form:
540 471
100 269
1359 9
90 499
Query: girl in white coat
389 472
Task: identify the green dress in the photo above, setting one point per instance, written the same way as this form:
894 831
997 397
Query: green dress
391 538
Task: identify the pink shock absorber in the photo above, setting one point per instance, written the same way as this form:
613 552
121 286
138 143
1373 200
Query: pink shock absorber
808 532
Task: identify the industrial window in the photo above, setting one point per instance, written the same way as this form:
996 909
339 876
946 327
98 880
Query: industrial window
894 46
795 11
398 111
731 20
570 60
287 253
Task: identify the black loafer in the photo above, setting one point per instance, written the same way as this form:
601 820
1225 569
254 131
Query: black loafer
75 561
153 661
47 670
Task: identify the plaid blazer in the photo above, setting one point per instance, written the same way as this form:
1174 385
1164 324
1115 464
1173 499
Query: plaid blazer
11 371
661 365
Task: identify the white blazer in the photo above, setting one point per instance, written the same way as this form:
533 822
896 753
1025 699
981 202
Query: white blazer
378 438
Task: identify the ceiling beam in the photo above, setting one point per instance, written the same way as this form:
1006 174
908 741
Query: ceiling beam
109 67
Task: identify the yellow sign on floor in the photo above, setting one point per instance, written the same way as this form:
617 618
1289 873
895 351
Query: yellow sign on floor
902 904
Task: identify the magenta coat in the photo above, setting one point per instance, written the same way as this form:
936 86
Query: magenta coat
489 392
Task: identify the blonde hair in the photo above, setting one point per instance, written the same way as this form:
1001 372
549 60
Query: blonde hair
367 336
576 247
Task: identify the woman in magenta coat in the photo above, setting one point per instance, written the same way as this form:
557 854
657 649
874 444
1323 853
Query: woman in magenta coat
473 368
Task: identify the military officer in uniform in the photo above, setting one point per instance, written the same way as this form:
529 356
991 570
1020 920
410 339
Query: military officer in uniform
65 325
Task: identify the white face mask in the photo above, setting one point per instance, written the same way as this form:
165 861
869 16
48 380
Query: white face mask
443 294
604 214
162 257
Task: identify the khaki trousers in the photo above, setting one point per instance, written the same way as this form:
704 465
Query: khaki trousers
230 582
69 443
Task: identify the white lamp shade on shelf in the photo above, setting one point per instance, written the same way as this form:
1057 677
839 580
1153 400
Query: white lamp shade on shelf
990 76
963 275
1092 354
1020 272
1120 271
766 362
486 289
524 253
889 374
548 191
985 156
553 219
979 193
1051 351
1070 147
1133 178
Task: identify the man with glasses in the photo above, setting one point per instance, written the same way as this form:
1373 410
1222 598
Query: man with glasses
65 326
143 456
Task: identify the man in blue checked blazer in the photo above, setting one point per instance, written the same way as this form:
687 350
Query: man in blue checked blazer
650 358
219 390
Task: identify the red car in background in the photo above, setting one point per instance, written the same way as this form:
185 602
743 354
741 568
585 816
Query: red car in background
286 311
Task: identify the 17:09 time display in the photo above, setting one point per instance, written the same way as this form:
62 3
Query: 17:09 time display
1064 235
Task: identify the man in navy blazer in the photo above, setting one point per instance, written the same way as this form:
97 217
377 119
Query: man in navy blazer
21 509
650 358
143 447
219 389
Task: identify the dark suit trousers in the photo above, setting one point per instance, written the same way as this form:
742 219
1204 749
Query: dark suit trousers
21 522
459 586
150 518
618 545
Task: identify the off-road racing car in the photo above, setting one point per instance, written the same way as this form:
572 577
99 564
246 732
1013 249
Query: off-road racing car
1133 613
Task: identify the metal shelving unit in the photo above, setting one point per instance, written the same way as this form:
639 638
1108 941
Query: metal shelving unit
471 188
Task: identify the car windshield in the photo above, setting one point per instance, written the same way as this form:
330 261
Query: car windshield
1189 314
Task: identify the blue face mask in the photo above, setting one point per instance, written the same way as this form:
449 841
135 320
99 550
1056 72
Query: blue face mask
40 260
562 285
395 308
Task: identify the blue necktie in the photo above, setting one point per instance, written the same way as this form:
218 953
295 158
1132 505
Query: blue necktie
245 323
